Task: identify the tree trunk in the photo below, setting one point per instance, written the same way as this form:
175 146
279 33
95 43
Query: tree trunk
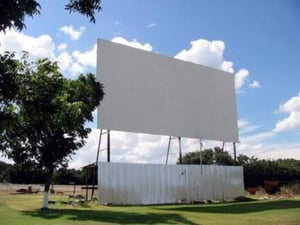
46 189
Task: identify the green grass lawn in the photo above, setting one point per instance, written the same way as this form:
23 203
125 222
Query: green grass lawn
24 210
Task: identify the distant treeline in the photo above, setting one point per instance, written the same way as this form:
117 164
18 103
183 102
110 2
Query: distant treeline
30 174
256 171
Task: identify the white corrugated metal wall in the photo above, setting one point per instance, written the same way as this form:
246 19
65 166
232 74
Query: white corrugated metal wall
126 183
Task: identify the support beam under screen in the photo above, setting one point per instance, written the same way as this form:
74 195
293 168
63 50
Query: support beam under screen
200 151
168 151
223 145
169 146
108 145
234 152
180 154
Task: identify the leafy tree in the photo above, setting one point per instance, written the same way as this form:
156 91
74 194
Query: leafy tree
223 157
13 12
4 167
49 116
26 173
68 176
209 156
10 80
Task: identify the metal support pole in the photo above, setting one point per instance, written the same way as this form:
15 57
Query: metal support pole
223 145
99 146
180 154
108 145
86 184
169 144
200 152
96 165
234 152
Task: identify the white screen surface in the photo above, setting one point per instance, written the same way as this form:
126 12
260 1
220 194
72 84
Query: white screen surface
150 93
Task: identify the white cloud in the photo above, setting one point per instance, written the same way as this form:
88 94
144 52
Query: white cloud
227 66
291 105
210 53
245 126
72 32
255 84
62 47
125 147
242 123
67 64
150 25
144 148
43 47
87 58
134 43
64 61
258 137
273 152
38 47
240 78
292 122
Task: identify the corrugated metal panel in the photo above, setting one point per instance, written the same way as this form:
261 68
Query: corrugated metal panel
125 183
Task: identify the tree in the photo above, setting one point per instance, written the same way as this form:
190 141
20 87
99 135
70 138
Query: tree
209 156
68 176
13 12
10 81
4 167
49 116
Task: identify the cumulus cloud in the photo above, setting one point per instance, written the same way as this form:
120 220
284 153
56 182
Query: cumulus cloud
240 78
87 58
68 64
134 43
62 47
125 147
73 33
38 47
210 53
255 84
292 122
43 46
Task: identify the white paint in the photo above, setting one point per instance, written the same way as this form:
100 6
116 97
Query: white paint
123 183
150 93
45 200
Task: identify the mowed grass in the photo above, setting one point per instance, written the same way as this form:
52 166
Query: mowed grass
25 210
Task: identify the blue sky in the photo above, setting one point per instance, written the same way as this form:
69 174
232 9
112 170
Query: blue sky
259 41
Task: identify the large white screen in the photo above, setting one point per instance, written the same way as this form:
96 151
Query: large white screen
149 93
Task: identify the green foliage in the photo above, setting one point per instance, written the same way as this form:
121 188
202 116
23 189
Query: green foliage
68 176
49 115
256 172
13 12
209 156
85 7
4 174
12 74
28 173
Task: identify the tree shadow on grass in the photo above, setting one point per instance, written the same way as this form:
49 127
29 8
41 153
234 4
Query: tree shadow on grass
106 216
239 208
